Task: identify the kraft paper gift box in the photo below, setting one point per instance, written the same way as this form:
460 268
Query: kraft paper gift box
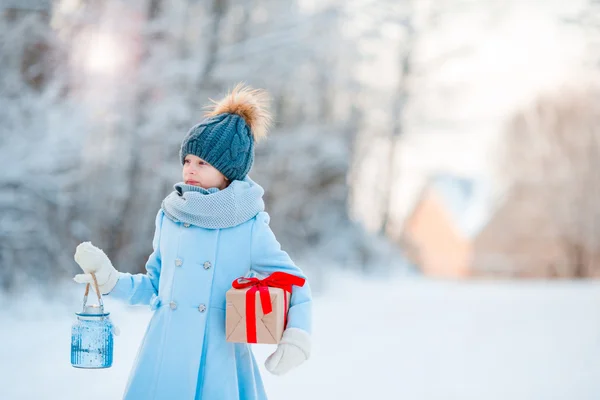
269 328
256 310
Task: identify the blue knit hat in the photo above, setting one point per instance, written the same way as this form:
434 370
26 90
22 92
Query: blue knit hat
225 138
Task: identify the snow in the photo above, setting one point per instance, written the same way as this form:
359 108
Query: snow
396 338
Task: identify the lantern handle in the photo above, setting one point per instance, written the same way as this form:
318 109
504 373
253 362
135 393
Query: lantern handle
87 291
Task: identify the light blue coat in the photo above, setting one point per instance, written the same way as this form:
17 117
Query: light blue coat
184 354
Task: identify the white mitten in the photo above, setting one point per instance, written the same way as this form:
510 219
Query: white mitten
92 259
292 350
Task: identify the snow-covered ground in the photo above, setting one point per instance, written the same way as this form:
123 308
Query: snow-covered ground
406 339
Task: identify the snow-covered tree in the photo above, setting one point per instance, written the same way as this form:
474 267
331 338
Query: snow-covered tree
37 146
119 84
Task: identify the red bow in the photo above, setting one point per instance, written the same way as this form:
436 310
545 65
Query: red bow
280 280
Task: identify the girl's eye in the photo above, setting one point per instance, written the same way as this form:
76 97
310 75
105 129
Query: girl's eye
186 161
202 163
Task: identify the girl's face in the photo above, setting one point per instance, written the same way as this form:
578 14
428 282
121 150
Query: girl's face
198 172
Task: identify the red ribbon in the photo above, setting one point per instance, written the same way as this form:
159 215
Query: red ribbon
278 279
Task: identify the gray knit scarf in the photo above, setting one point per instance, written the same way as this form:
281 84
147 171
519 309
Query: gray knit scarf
213 208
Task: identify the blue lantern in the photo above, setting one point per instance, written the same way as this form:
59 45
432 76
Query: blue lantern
92 335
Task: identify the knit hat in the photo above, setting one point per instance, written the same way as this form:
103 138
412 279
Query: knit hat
225 138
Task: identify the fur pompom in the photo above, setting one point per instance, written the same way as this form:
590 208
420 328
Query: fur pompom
250 104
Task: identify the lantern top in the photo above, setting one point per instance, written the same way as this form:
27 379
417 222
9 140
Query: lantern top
93 310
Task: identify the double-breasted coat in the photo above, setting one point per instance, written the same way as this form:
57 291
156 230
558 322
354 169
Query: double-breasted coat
184 354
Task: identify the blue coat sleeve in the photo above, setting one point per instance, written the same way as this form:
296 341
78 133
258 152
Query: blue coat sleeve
142 288
267 257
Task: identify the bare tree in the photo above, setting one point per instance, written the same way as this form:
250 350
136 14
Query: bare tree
552 159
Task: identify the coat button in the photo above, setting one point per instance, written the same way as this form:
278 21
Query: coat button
186 225
207 265
201 308
178 262
173 305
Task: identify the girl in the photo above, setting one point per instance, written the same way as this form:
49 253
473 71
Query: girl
210 230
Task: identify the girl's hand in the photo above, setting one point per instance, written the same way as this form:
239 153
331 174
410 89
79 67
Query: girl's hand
292 350
92 259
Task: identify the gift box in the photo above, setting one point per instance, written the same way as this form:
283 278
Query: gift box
257 308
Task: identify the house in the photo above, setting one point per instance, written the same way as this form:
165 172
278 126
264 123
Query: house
439 233
456 230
